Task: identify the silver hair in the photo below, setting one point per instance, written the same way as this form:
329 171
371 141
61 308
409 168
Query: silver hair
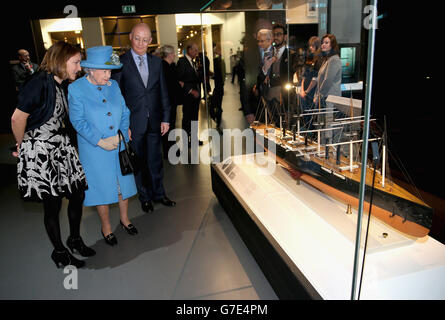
266 32
166 49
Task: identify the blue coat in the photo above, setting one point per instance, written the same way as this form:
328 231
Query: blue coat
97 112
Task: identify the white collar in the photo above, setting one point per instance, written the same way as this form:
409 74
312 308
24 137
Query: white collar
280 51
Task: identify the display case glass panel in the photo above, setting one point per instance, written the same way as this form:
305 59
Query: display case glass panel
307 164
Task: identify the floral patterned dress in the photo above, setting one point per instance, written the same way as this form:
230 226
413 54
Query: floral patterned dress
48 164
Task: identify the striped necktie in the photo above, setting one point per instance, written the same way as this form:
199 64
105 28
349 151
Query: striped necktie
143 69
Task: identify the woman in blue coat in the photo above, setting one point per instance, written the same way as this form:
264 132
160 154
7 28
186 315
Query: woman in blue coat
97 111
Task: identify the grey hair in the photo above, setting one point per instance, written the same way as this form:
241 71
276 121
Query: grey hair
86 70
166 49
266 32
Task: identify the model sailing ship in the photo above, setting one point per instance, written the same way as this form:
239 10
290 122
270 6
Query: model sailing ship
334 168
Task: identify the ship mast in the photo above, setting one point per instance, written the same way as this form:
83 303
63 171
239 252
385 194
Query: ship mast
384 153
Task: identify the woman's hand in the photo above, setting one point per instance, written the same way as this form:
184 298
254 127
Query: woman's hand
106 145
16 153
302 94
114 140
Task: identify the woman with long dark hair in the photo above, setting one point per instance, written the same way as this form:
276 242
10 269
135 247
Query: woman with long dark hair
329 75
329 78
48 167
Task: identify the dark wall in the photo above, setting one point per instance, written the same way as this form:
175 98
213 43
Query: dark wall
404 89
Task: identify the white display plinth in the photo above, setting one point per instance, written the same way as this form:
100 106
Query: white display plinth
316 234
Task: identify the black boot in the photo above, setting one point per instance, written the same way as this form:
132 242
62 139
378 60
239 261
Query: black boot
65 258
76 244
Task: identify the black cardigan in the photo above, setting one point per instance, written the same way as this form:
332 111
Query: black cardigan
37 97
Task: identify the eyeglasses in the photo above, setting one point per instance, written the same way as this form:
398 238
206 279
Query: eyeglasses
278 34
143 40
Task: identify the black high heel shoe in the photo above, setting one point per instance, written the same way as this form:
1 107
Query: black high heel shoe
131 229
64 258
77 244
110 239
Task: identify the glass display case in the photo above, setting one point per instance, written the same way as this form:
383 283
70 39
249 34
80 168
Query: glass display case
302 169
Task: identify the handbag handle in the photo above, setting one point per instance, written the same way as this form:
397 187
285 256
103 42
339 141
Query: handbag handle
122 138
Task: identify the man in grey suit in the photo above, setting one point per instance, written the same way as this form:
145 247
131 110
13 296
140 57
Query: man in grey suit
23 70
143 86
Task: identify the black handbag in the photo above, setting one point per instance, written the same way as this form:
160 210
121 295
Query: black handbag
127 157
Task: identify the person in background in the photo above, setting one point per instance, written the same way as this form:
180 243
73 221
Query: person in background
266 51
97 112
191 89
168 56
203 66
143 86
48 167
219 76
329 78
23 70
309 76
277 73
157 53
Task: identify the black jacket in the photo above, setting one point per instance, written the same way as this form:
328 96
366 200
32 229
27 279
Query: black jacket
173 86
37 97
188 75
141 100
287 69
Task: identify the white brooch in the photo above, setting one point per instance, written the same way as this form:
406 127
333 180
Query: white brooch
114 60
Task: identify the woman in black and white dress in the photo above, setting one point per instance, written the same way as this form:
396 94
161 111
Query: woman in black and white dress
48 166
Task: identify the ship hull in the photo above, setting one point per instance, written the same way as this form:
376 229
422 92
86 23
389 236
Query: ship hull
404 215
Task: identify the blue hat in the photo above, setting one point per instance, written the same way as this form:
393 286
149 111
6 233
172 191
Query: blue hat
101 57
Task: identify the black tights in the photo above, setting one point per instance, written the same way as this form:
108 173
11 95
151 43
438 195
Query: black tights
51 208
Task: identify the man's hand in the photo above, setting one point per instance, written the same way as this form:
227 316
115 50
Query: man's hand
129 134
195 93
250 118
268 62
255 90
164 128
